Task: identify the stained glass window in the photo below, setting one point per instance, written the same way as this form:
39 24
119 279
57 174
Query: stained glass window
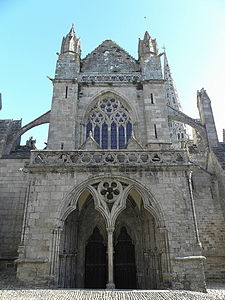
129 130
97 134
113 135
88 129
111 124
104 136
121 137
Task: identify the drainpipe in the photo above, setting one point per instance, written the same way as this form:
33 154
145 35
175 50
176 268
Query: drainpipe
198 243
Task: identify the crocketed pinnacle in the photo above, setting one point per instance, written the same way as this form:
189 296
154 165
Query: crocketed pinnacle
147 46
171 91
70 43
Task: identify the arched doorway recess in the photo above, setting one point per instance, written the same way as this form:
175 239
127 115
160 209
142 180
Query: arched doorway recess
115 232
83 236
145 244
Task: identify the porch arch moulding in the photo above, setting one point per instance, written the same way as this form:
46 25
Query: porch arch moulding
69 203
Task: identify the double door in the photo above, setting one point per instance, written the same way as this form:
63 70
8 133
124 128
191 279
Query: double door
96 262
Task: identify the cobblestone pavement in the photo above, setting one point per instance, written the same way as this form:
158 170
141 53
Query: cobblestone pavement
217 293
10 289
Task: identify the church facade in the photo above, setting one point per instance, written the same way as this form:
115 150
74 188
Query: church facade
120 198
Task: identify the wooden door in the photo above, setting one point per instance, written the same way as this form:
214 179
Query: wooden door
95 261
124 262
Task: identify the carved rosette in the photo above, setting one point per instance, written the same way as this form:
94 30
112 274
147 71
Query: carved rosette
110 190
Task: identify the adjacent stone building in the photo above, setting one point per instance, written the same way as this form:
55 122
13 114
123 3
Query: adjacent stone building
120 198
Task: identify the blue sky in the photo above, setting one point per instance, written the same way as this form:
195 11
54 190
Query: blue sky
193 32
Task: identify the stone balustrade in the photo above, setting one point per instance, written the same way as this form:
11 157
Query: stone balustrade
109 78
108 158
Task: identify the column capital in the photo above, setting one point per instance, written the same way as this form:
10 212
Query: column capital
110 229
57 230
162 229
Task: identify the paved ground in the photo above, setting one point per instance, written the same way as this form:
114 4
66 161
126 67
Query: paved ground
11 290
217 293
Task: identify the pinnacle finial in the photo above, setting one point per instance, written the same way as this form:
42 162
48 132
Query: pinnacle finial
72 30
202 93
147 46
70 43
147 35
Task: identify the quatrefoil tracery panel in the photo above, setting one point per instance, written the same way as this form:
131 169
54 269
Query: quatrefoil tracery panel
110 123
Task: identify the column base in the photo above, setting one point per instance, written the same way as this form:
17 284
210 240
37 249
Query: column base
110 286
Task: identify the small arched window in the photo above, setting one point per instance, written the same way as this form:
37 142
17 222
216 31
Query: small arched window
110 123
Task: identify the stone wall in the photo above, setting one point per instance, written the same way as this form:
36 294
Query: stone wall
13 185
211 223
145 113
50 190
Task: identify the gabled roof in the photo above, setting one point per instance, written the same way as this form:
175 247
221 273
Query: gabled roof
109 58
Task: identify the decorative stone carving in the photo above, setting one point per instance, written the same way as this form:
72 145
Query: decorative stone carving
30 143
108 158
107 78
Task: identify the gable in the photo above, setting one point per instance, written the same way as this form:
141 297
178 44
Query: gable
109 58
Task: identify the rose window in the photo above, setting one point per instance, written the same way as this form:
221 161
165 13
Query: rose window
110 124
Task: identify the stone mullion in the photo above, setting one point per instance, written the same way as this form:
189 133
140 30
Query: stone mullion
83 131
125 133
109 136
100 134
117 135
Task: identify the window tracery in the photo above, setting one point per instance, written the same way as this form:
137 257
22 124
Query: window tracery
110 123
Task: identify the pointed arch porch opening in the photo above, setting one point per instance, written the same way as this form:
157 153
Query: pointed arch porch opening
134 255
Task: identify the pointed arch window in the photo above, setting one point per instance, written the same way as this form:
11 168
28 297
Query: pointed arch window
110 122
